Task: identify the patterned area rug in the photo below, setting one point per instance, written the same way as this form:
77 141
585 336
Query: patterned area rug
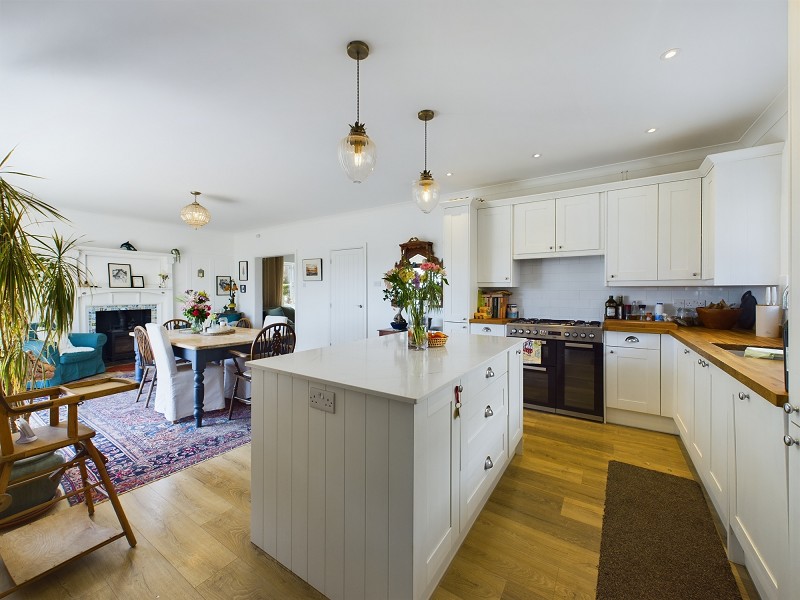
142 447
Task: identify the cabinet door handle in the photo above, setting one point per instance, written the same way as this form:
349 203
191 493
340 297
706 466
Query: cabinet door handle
507 278
488 464
632 339
790 441
694 274
611 352
685 351
560 247
551 247
457 394
612 276
744 396
487 329
700 361
789 409
488 412
489 373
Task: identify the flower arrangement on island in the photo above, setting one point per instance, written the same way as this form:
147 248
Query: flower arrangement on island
196 308
418 290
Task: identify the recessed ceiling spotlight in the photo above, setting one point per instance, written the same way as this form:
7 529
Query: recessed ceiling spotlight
651 130
671 53
537 155
449 174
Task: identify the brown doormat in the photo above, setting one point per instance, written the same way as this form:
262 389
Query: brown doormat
659 540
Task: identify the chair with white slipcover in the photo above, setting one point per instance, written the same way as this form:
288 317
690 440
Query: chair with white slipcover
175 389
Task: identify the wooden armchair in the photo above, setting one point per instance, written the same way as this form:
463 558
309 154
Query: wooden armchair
39 547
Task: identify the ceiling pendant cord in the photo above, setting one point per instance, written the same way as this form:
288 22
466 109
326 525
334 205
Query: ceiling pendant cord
426 146
358 91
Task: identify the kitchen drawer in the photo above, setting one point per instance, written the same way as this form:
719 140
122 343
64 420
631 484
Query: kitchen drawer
486 374
482 461
487 329
651 341
480 410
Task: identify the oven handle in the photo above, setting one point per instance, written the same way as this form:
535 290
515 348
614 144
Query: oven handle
573 345
531 368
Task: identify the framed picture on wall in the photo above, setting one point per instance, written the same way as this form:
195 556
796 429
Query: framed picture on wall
119 275
312 269
137 281
223 285
243 270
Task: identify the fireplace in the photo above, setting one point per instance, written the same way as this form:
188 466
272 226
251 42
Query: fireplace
117 324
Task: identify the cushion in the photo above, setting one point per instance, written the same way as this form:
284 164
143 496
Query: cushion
275 312
66 347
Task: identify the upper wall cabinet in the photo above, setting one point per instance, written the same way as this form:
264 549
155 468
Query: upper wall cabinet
569 226
496 268
458 253
654 233
741 216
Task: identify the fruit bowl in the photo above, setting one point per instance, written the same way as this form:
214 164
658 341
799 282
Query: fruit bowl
436 339
718 318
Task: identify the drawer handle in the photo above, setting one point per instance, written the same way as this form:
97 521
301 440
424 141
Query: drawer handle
487 329
685 351
743 396
790 441
489 373
789 409
488 464
632 339
488 412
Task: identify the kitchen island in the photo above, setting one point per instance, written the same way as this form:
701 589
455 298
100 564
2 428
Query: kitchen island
373 499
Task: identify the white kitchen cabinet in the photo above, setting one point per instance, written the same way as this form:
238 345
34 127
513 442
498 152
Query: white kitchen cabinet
496 267
633 372
459 257
568 226
684 393
679 217
700 433
719 461
741 216
487 329
794 501
759 502
632 234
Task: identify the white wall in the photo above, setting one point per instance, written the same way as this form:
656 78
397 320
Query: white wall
203 248
381 231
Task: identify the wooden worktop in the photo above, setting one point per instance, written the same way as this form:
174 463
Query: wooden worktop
491 321
765 377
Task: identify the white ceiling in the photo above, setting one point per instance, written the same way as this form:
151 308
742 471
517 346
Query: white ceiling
125 106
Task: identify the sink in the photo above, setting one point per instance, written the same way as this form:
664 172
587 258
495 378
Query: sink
735 349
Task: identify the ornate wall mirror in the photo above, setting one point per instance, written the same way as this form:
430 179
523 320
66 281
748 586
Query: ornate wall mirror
416 252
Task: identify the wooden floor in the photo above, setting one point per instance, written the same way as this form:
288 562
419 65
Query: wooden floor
537 537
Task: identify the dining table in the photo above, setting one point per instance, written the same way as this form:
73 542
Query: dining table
201 348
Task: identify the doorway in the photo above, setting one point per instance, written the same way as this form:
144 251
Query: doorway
348 295
278 287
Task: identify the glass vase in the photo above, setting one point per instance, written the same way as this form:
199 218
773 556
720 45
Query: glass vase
197 325
417 332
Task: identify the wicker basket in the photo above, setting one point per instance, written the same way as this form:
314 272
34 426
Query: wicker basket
718 318
436 342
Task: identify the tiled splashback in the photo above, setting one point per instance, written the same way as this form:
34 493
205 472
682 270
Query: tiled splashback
574 288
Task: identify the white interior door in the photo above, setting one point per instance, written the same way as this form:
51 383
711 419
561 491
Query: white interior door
348 295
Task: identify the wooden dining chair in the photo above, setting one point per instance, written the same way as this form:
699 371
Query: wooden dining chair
273 340
177 324
40 546
148 363
244 322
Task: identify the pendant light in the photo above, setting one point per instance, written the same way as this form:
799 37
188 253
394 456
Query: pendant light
356 150
195 214
426 190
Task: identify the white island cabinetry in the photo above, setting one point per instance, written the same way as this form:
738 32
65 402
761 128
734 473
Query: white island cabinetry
373 499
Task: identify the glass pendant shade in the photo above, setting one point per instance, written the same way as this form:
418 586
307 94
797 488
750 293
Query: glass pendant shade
357 154
195 214
426 192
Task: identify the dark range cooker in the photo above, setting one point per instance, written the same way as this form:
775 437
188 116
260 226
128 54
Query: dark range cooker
562 365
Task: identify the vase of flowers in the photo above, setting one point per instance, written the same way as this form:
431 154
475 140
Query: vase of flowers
418 290
163 277
196 308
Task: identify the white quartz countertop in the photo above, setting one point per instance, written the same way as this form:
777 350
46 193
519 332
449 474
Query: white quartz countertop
386 367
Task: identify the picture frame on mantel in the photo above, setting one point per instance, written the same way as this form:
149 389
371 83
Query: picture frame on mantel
137 281
312 269
243 274
119 275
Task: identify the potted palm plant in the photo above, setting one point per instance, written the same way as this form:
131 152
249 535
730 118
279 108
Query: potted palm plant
37 279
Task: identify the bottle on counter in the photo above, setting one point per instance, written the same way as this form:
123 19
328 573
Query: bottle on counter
659 311
611 308
620 308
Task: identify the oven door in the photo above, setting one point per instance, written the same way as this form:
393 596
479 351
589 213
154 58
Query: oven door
539 375
581 380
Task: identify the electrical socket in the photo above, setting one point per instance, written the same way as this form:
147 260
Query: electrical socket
690 303
322 400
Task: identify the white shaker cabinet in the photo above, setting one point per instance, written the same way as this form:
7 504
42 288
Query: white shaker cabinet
459 257
496 267
679 216
684 393
741 216
794 499
759 502
569 226
632 242
487 329
633 371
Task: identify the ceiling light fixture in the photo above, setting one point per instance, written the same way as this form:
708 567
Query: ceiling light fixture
449 174
537 156
651 130
195 214
426 190
356 150
671 53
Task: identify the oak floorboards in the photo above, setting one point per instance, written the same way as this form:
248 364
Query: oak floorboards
537 538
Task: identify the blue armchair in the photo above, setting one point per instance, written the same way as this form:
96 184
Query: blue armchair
73 365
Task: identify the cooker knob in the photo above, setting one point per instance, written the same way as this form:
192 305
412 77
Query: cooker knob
567 334
591 335
528 331
513 331
583 335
